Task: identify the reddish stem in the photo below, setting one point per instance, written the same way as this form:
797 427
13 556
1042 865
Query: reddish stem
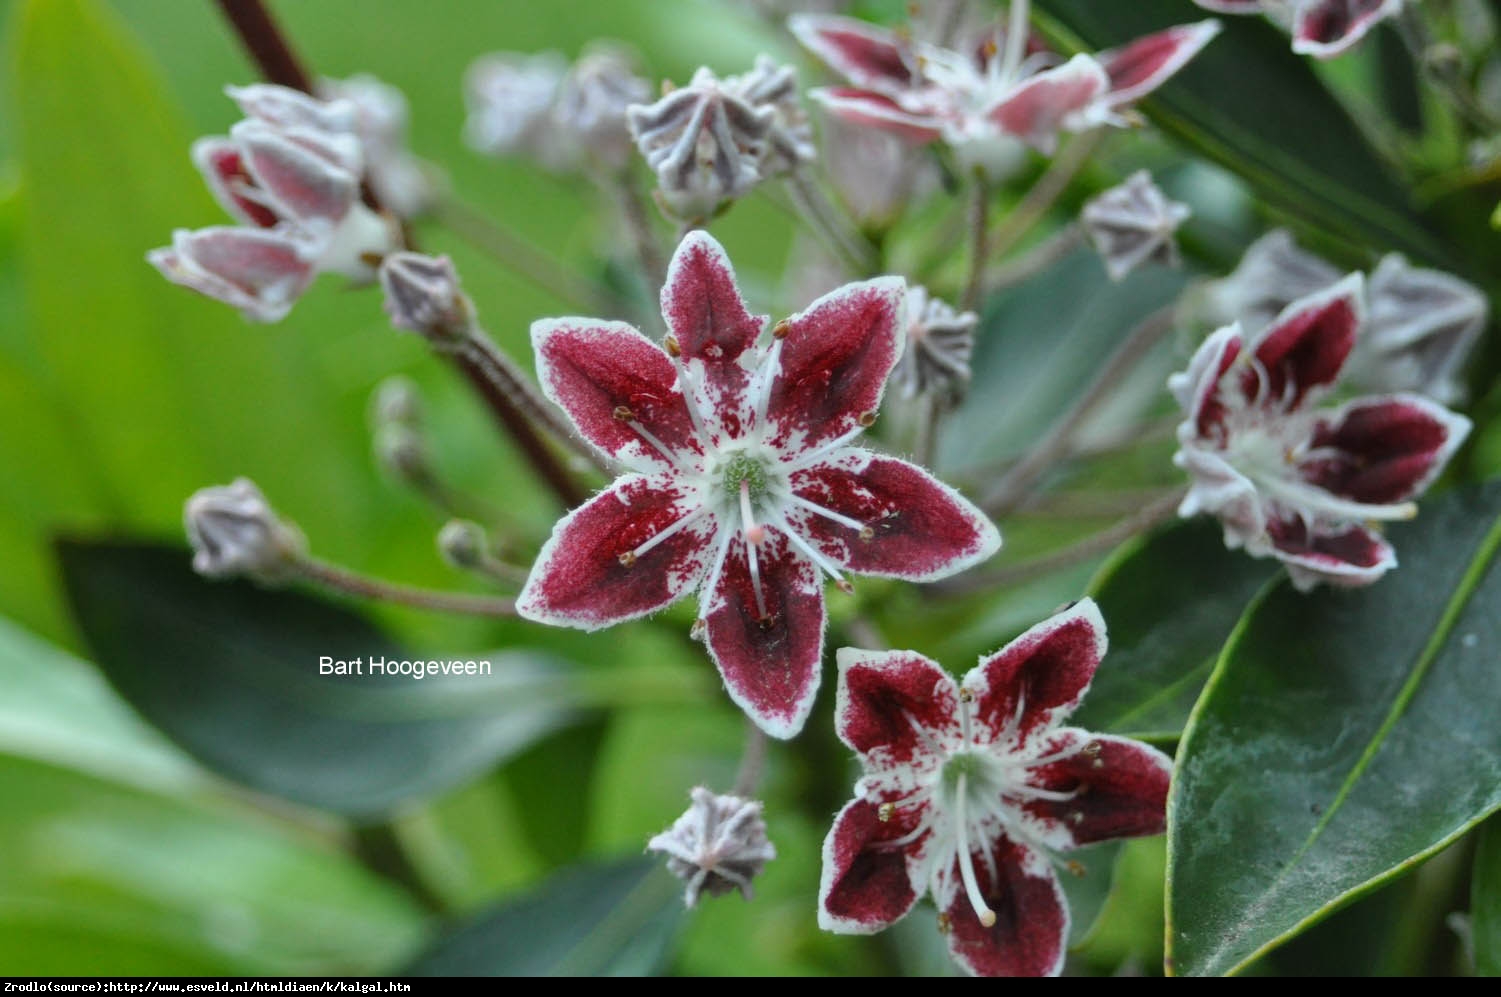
266 44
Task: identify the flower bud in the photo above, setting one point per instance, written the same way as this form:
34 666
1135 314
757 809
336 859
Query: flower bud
939 343
1132 223
510 96
592 101
396 401
774 87
464 545
422 296
719 844
234 532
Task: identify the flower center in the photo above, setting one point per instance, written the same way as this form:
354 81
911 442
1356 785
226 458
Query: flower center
743 469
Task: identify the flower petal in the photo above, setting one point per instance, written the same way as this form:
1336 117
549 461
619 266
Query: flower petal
866 107
1141 66
1198 388
835 358
1325 28
580 578
769 661
862 53
1119 786
1381 450
1272 273
892 707
1037 108
1348 557
606 375
864 887
1231 6
1031 916
302 184
219 160
1304 349
1220 490
707 316
259 271
1029 684
921 529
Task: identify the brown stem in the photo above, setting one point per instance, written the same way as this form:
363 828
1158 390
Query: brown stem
643 237
979 229
343 580
266 44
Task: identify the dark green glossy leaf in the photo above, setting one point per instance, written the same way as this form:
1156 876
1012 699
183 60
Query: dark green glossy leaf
603 920
1485 900
1252 105
231 672
1169 601
1344 737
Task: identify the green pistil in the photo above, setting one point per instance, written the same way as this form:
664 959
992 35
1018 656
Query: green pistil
744 469
960 764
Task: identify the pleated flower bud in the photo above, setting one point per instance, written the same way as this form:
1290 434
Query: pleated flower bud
719 844
591 104
1133 223
774 87
235 533
422 295
464 545
939 343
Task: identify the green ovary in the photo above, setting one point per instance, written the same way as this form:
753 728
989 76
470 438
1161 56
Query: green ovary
744 469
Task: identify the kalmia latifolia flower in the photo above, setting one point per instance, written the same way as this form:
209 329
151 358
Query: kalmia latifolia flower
1132 223
989 101
939 344
1421 324
1321 28
969 787
744 483
1293 481
718 845
290 173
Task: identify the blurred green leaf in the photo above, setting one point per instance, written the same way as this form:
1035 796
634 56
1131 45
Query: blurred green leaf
1485 900
105 878
1169 599
552 784
1127 934
602 920
231 672
1250 104
1343 737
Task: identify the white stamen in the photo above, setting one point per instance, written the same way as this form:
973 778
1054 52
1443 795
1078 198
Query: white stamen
681 524
1016 39
767 373
755 573
720 556
819 510
1302 496
817 453
690 396
660 447
966 863
823 563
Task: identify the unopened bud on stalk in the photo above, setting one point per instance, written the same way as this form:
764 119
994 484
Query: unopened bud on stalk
235 532
463 544
396 401
402 452
422 296
719 844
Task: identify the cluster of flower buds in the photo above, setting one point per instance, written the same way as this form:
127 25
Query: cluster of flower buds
713 140
1320 28
1133 223
565 117
290 173
1421 324
991 100
1293 481
403 183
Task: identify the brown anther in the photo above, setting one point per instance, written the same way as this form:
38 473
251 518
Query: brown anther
965 696
990 48
624 414
1076 817
867 419
696 632
846 586
628 559
1092 749
866 533
781 329
885 812
945 923
668 87
765 622
372 259
671 344
1098 763
1076 868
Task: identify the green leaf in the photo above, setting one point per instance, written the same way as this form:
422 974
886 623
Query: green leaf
1344 737
1169 601
1485 900
605 920
1250 104
231 672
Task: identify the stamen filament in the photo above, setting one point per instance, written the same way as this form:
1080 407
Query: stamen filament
755 573
817 454
720 556
829 514
660 447
681 524
1307 497
690 398
966 863
767 373
821 562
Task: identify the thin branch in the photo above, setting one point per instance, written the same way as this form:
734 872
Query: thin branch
266 44
644 241
1048 188
1041 257
752 761
857 251
342 580
979 229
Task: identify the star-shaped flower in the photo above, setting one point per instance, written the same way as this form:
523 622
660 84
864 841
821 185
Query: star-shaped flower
1320 28
988 102
970 786
290 173
744 482
1292 481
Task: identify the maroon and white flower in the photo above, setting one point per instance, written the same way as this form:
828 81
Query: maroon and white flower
744 482
990 101
1296 482
1132 223
1321 28
290 173
969 787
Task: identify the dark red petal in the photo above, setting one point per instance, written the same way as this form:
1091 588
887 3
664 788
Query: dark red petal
835 358
704 311
218 159
770 663
863 53
606 375
1347 556
921 529
1039 677
865 107
579 579
1199 389
1031 916
1120 789
1382 450
1325 28
1305 347
864 887
306 185
1037 108
883 694
1139 67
